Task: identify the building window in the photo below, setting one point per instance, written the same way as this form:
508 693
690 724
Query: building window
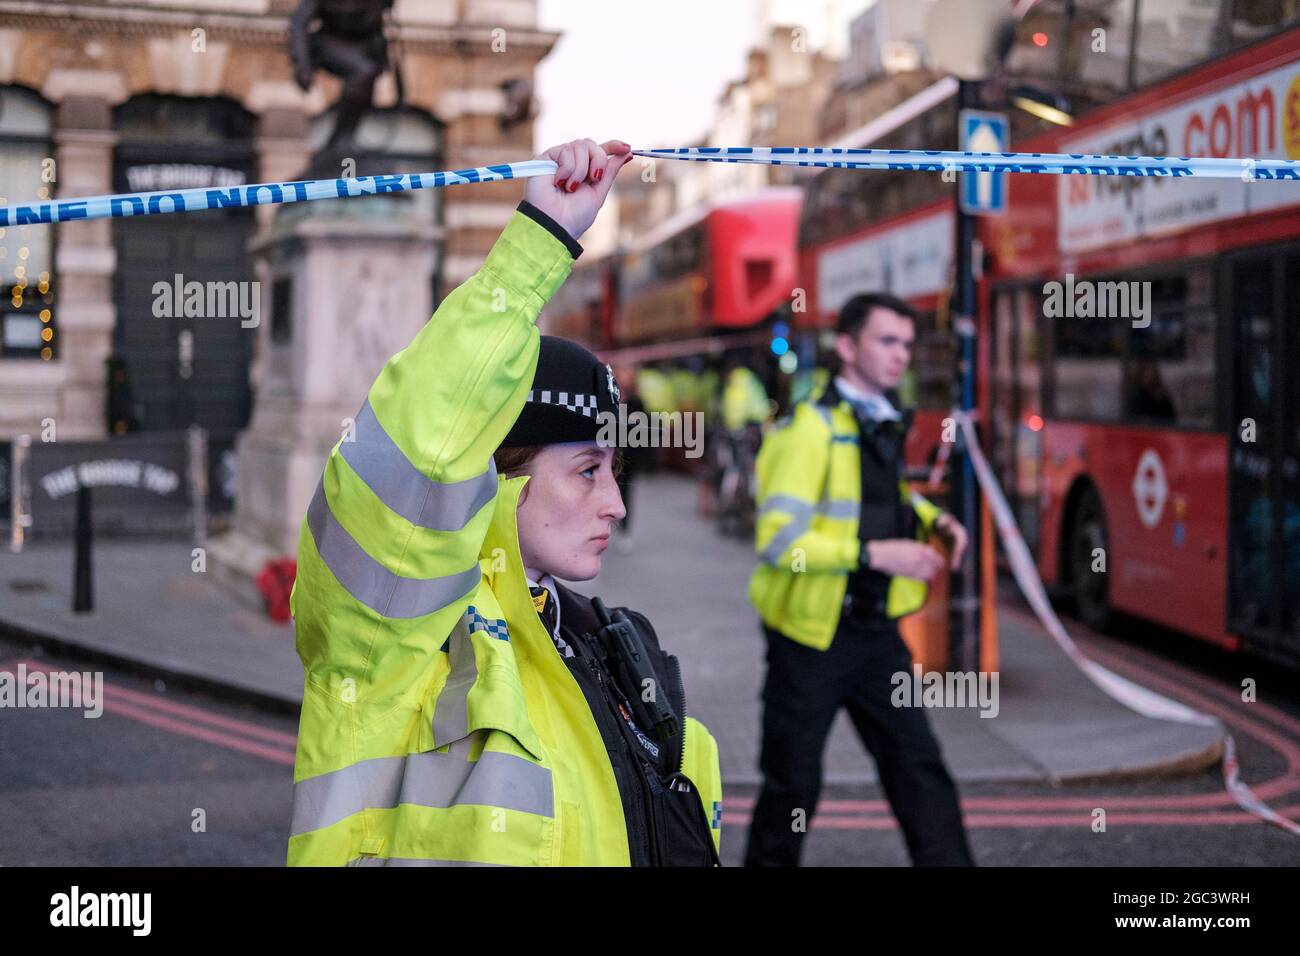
28 329
1255 19
1102 41
1174 35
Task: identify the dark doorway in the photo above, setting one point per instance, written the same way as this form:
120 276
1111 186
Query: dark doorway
185 370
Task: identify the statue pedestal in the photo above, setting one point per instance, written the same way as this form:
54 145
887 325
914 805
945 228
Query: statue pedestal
345 284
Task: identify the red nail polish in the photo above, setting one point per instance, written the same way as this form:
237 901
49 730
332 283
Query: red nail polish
573 186
562 183
599 174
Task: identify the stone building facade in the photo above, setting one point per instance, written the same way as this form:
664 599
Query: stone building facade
146 94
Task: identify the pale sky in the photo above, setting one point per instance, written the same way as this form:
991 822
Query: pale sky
648 73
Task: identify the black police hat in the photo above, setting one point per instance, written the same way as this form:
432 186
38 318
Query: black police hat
571 388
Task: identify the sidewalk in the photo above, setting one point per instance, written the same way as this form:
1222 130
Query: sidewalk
152 614
156 615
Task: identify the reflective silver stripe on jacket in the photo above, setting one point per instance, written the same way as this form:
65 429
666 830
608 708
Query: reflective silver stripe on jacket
843 508
801 513
369 581
438 506
451 710
425 779
782 540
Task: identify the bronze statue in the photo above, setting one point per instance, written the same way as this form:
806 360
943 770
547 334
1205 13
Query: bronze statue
349 43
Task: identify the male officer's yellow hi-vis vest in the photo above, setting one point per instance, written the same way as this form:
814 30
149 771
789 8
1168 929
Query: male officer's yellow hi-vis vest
809 498
439 724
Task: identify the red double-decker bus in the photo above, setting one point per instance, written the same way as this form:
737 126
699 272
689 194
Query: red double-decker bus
687 285
1165 438
1140 356
716 269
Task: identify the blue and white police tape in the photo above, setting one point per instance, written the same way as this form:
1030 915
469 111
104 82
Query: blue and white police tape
937 160
919 160
257 194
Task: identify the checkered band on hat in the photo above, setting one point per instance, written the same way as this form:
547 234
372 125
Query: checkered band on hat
573 401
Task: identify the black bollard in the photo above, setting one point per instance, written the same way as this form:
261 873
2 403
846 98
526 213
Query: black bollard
83 588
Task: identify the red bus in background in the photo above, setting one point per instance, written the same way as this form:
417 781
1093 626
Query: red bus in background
721 268
1139 352
910 256
718 268
582 308
1164 437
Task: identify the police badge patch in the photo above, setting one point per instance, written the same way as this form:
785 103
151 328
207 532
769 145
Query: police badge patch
614 394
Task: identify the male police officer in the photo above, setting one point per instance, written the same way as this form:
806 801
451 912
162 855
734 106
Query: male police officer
842 542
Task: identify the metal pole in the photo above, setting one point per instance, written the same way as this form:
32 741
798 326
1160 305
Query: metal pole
83 587
197 445
19 519
963 620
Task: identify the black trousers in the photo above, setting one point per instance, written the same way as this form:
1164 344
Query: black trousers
804 690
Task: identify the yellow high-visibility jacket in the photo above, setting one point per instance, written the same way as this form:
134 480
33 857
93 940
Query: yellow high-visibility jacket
809 497
439 724
744 400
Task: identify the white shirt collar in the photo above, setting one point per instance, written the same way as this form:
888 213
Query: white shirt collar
877 407
548 582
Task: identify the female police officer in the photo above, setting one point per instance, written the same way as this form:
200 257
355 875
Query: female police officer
460 707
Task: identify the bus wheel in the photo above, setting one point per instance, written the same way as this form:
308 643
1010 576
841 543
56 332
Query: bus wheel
1091 588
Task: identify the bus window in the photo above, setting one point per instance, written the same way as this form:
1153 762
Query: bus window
1173 35
1088 368
1171 371
1016 396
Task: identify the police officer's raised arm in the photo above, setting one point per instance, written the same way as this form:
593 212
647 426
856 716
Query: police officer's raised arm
393 532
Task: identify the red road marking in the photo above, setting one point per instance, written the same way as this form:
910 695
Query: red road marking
1021 821
1232 717
1174 801
199 733
147 709
184 710
1092 640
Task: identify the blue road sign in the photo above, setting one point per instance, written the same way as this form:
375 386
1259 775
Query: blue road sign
984 194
